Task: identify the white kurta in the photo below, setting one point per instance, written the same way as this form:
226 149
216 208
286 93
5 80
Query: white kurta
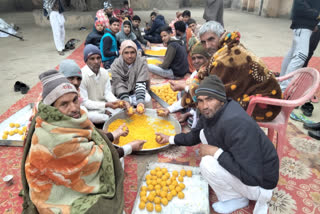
96 91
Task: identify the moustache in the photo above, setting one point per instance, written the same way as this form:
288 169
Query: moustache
75 114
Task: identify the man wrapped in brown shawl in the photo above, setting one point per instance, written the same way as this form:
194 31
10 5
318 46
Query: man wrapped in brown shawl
243 74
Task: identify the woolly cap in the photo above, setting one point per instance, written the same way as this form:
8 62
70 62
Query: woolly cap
199 49
127 43
90 50
212 86
69 68
54 86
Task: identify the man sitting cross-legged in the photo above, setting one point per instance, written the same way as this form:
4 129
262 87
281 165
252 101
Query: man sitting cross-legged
200 57
95 88
130 76
175 62
69 166
70 69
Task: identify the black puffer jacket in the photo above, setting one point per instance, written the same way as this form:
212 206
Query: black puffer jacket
305 14
247 153
94 38
156 26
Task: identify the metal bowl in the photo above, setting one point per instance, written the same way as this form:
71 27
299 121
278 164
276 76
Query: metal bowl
151 113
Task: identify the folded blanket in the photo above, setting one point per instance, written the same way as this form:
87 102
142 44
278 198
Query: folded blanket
243 74
69 167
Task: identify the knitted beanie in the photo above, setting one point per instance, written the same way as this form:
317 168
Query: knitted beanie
54 86
199 49
127 43
212 86
70 68
90 50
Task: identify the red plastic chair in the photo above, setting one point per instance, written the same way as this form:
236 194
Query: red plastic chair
304 83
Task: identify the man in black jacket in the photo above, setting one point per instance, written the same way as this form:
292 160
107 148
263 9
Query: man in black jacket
175 63
305 17
153 34
238 160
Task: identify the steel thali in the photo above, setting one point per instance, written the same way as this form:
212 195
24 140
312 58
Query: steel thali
150 113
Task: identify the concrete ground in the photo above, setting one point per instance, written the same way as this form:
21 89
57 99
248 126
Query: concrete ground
25 60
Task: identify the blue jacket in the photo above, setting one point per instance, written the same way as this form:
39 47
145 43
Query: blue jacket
113 48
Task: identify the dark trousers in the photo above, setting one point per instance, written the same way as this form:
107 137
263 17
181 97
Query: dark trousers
314 40
153 38
107 64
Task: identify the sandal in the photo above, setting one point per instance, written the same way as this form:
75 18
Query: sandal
300 118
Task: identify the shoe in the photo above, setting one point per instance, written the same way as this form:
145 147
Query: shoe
17 86
230 205
314 134
312 126
82 28
61 53
307 109
24 88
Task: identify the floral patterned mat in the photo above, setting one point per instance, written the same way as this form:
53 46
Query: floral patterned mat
298 190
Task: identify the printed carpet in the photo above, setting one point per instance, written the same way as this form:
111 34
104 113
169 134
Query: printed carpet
298 190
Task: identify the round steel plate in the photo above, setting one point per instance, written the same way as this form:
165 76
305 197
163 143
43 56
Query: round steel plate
151 113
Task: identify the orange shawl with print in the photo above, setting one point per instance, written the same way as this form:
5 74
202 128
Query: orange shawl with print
69 166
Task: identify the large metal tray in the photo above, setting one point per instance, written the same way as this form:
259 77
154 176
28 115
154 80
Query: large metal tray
22 117
158 99
196 193
156 58
151 113
156 49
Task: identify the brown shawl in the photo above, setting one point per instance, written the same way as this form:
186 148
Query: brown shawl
124 79
243 75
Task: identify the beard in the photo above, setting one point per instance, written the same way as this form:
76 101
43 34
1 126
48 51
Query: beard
209 113
95 68
212 51
75 114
